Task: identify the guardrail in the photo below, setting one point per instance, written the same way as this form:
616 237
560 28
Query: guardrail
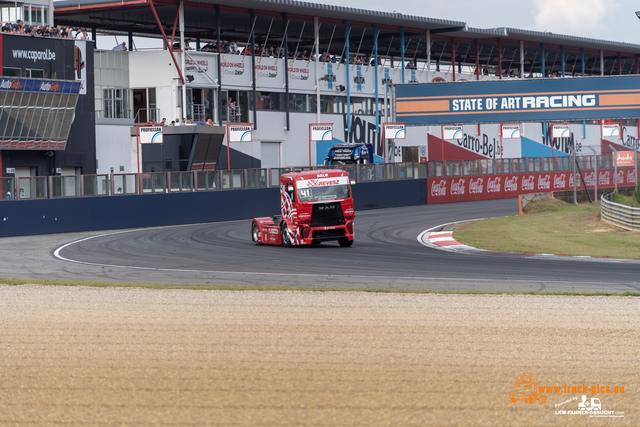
622 216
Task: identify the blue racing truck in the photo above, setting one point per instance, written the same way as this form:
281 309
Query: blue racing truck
349 154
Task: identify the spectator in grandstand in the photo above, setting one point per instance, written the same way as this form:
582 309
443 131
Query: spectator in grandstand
233 47
201 123
186 45
120 47
209 47
177 122
6 28
304 56
209 122
163 122
18 27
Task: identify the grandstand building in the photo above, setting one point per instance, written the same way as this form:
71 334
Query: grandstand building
283 65
47 106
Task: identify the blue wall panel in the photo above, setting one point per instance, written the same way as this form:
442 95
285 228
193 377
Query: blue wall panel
28 217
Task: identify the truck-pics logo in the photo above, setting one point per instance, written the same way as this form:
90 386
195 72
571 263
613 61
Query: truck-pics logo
526 390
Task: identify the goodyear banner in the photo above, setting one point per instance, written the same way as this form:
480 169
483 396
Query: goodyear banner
525 100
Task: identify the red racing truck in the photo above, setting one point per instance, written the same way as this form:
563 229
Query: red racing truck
316 206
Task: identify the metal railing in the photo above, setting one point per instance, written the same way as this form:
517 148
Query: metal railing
216 180
622 216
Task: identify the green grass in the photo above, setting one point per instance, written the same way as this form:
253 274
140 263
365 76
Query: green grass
17 282
626 200
554 227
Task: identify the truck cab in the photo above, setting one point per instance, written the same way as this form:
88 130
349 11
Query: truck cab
350 154
315 207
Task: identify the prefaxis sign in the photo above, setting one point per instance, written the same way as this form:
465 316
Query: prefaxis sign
519 100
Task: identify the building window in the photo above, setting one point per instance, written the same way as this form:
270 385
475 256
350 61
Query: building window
269 101
11 72
115 103
113 95
33 73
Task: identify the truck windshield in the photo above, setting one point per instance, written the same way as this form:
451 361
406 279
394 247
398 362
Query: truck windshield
326 192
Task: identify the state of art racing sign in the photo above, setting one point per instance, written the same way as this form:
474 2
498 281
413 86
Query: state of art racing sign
583 98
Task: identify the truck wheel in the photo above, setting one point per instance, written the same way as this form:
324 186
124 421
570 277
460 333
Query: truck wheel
255 233
345 243
284 236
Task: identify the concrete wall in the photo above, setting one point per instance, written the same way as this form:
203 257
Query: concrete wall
115 147
28 217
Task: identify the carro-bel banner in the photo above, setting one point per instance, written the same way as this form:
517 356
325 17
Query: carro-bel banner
521 100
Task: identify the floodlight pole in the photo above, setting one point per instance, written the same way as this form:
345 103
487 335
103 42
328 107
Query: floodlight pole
595 167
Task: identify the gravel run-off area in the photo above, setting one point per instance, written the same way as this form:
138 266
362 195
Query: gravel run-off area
131 356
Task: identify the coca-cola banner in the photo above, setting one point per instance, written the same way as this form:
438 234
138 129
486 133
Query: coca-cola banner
486 187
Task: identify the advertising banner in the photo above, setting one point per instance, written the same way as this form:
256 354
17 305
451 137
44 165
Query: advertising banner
560 131
486 187
519 100
150 134
235 70
611 130
240 132
510 131
270 72
394 130
321 131
625 158
201 69
452 132
28 85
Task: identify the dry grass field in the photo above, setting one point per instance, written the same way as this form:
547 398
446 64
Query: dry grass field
128 356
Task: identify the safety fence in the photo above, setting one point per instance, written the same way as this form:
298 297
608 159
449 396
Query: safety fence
622 216
54 187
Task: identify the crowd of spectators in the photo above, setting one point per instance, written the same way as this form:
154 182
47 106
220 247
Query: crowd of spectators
44 31
183 122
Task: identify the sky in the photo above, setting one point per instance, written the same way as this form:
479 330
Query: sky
612 20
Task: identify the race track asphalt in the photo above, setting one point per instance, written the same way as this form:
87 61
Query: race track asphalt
386 254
